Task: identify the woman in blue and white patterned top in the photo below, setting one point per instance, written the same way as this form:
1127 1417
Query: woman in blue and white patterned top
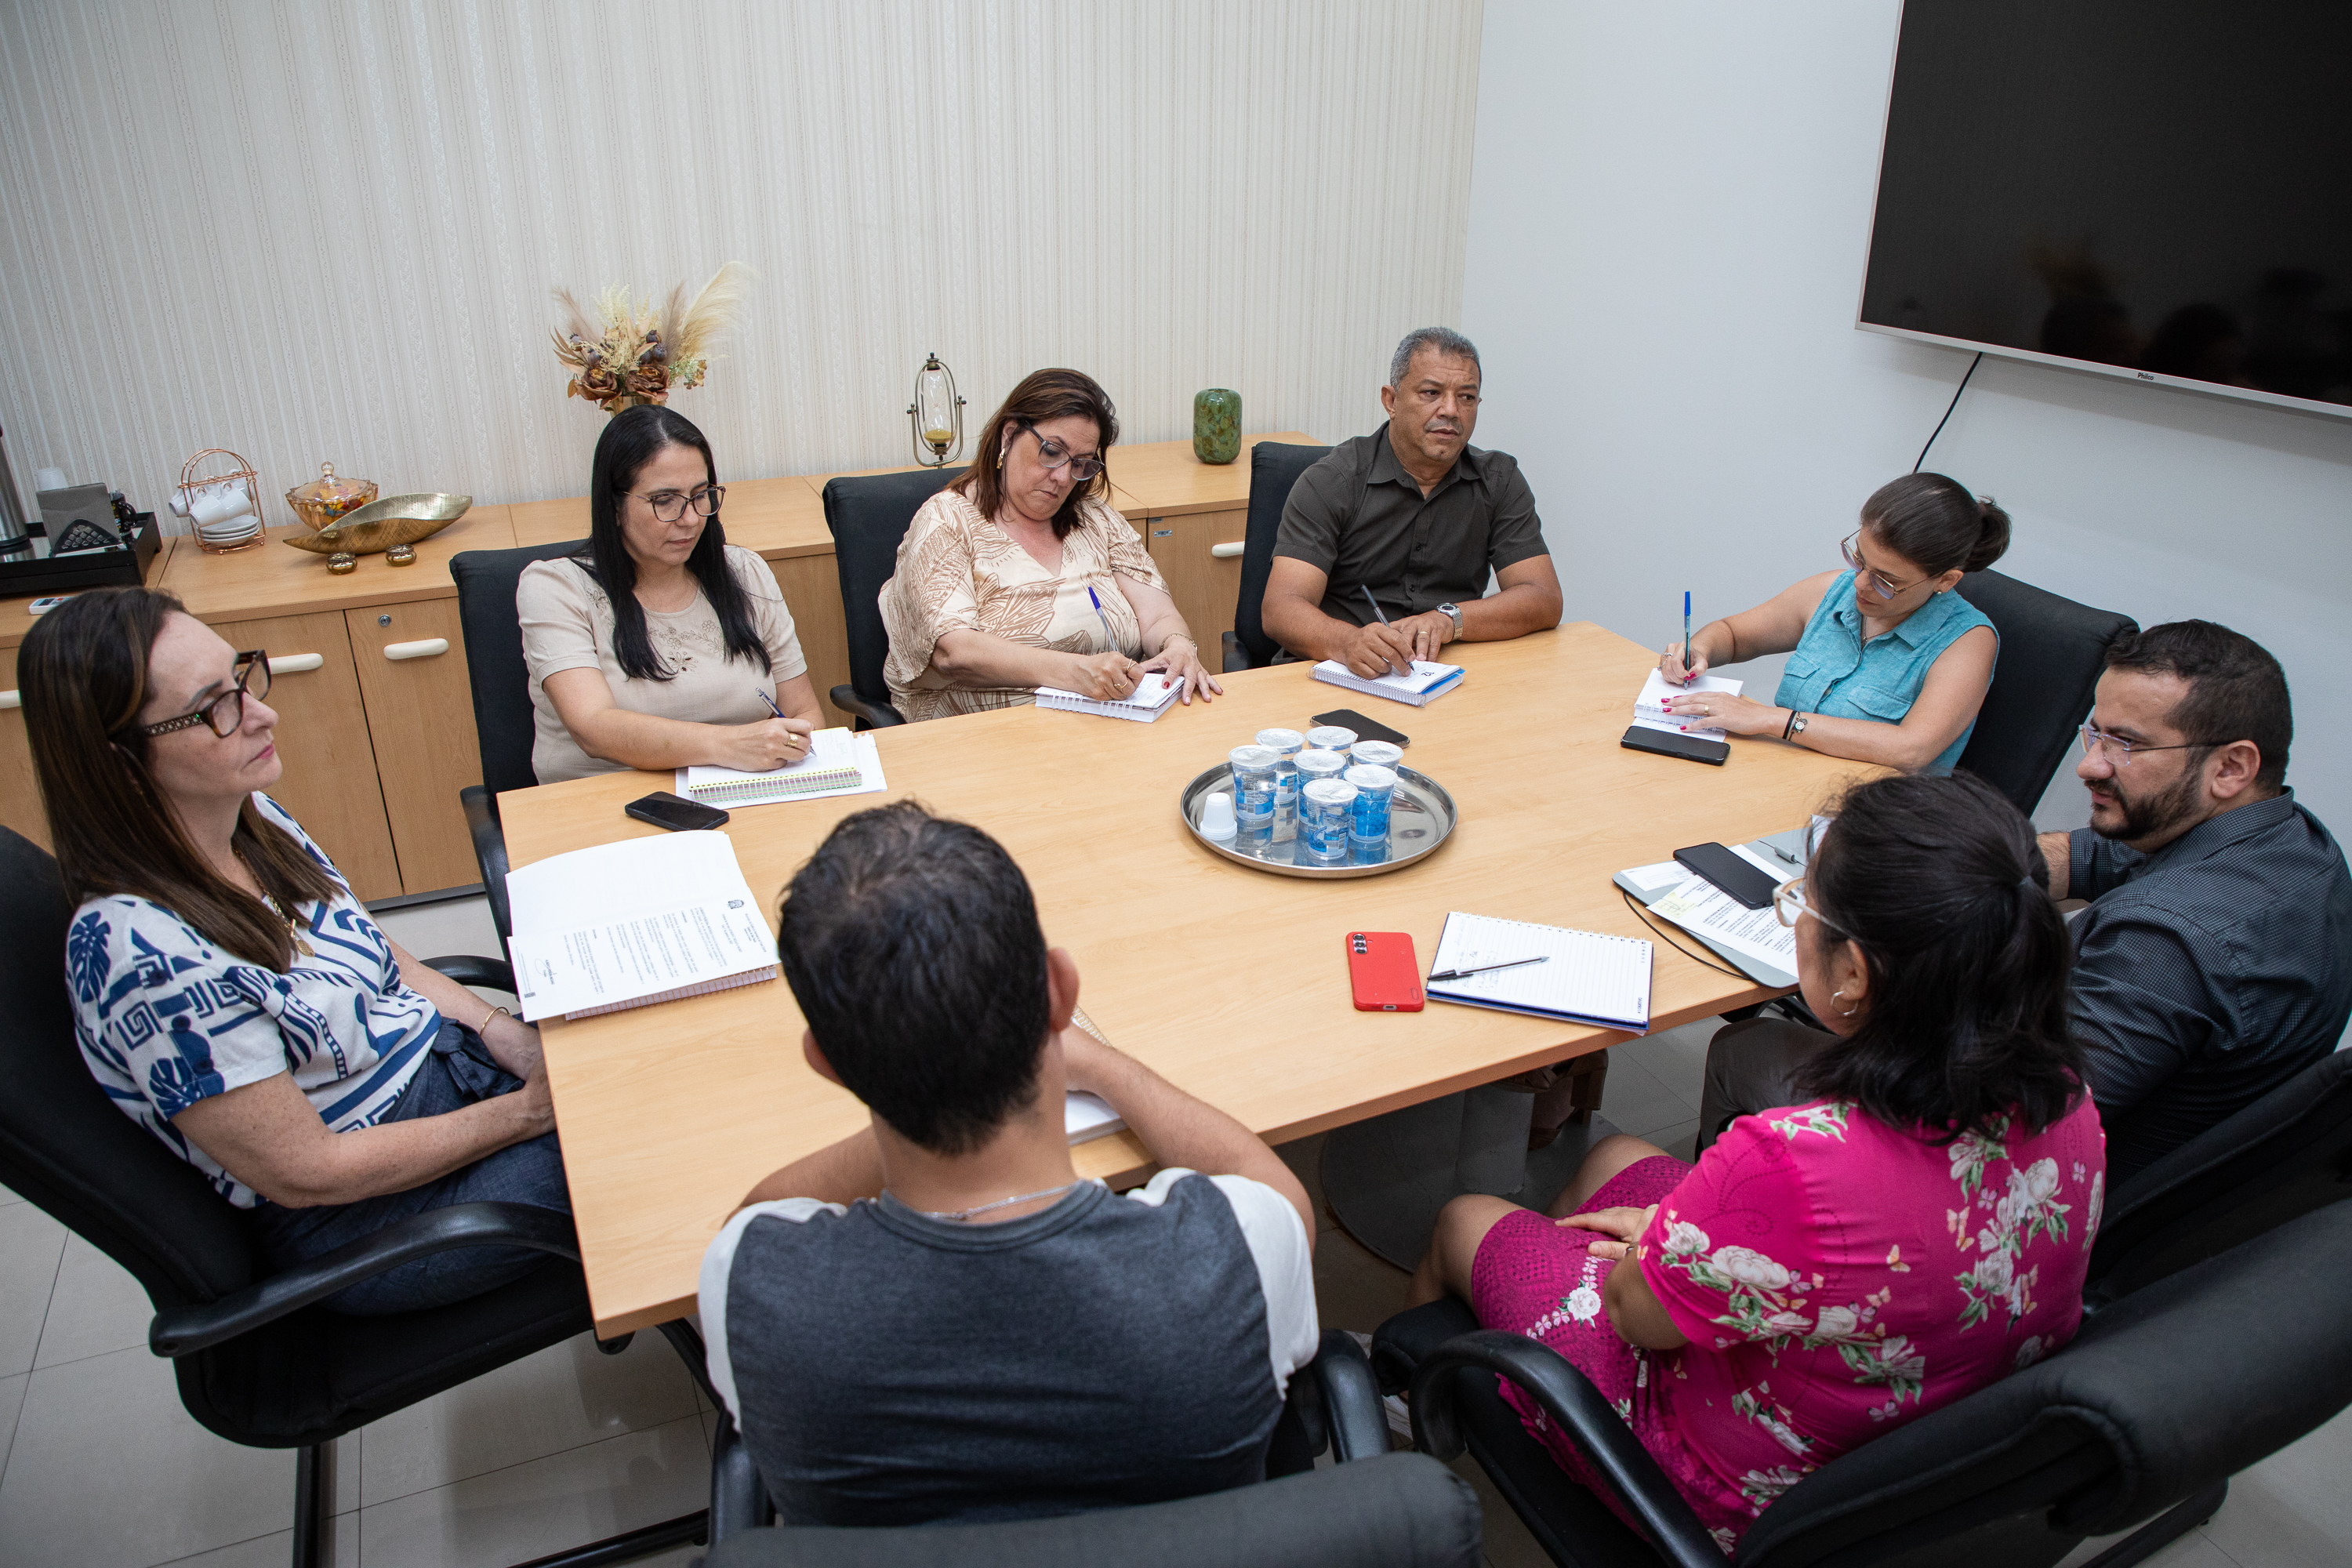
1886 662
231 995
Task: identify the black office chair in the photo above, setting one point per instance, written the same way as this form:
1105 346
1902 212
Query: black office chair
2287 1153
2051 653
1398 1511
1408 1515
868 516
503 723
1274 468
2158 1402
260 1363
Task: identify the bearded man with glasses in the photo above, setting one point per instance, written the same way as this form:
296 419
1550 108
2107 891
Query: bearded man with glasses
2215 960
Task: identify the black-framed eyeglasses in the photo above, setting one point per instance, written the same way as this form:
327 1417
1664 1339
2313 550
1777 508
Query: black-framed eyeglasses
670 505
2095 740
223 713
1879 580
1053 455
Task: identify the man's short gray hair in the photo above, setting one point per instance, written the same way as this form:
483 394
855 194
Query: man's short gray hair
1445 340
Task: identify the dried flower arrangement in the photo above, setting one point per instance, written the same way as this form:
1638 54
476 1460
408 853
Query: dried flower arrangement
633 352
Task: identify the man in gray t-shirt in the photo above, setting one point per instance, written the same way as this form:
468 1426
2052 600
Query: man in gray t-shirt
1413 518
935 1318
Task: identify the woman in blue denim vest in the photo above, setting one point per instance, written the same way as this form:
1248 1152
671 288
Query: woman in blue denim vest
1886 662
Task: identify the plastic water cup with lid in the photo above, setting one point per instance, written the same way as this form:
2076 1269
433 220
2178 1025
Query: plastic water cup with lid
1286 744
1326 814
1254 770
1375 753
1314 763
1331 738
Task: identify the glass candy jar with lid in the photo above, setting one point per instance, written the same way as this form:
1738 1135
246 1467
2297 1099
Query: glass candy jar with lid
327 497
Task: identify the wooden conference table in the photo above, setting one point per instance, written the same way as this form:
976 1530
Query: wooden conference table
1232 982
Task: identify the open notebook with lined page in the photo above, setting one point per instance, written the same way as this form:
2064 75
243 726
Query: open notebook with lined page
1585 977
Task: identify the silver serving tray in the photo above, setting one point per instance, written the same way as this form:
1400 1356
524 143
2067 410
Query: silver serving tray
1421 817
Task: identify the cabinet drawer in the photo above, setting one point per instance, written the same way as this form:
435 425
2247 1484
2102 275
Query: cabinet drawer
20 791
420 715
330 781
1204 585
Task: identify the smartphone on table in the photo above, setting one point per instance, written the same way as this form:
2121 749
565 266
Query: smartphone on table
1382 971
1747 887
1365 728
675 812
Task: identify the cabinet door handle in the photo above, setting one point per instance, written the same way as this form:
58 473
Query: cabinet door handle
10 700
424 648
1227 551
294 663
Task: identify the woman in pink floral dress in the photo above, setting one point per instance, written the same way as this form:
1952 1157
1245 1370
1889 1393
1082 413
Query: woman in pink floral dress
1916 1230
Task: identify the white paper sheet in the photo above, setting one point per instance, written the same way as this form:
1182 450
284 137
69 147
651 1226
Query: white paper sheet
1700 907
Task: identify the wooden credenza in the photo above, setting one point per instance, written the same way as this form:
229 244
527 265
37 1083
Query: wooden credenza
376 714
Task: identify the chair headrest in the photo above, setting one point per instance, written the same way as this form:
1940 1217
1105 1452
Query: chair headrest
63 1145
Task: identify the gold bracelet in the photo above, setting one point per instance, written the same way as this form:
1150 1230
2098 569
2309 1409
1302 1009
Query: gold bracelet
487 1017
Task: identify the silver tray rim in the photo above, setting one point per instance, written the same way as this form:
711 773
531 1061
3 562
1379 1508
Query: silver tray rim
1422 783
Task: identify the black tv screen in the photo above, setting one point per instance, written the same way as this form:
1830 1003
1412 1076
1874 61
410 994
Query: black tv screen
2158 189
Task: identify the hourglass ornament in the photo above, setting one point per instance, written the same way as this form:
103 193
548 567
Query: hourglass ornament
936 416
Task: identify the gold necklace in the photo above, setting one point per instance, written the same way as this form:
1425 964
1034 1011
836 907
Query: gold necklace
293 926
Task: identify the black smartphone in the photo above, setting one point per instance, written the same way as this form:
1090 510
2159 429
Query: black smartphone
1689 748
1746 886
1365 728
675 812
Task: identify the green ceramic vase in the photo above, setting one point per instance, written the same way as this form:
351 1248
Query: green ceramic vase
1217 424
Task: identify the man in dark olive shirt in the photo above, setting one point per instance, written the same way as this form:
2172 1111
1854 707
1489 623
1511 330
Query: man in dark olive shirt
1417 516
2215 961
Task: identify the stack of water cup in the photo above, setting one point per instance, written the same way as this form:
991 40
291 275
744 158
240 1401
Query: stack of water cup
1254 769
1286 744
1368 829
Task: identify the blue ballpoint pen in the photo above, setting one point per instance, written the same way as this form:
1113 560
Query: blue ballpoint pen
1685 635
1384 621
762 693
1105 619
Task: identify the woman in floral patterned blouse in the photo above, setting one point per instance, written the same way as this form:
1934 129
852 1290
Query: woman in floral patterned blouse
1914 1231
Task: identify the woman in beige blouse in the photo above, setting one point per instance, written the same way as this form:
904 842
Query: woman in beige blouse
660 644
990 600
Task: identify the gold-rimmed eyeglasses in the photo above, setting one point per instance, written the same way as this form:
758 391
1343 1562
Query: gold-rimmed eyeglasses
1886 587
1053 455
670 505
223 713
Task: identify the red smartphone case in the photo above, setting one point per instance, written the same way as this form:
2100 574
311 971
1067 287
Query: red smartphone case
1383 971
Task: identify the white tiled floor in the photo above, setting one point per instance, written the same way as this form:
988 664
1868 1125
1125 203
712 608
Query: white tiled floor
101 1468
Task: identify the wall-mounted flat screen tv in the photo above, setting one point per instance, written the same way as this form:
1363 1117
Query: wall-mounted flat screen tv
2158 189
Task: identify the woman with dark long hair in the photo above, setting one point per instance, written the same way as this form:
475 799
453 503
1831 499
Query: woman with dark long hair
229 992
660 644
1021 573
1918 1227
1886 662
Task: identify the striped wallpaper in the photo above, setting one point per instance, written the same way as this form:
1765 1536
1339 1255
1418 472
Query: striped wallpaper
326 229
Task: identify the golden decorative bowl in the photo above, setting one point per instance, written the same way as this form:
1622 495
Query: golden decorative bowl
392 524
327 497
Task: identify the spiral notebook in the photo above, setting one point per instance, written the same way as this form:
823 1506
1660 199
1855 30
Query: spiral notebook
838 764
1427 681
1149 700
1585 978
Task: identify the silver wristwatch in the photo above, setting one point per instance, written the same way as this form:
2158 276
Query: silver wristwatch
1454 613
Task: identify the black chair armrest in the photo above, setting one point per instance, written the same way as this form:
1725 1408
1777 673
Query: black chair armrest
1234 658
1571 1399
183 1330
739 1498
481 809
1357 1427
877 715
472 969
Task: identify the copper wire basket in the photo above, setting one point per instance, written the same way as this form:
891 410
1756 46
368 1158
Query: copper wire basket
196 484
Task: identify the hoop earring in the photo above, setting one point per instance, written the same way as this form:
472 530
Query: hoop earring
1838 996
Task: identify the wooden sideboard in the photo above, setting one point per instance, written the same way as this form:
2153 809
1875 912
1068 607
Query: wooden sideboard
377 727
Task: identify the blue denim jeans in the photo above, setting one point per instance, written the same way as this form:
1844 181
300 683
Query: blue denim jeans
458 1072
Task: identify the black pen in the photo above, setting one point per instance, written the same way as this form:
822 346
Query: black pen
1483 968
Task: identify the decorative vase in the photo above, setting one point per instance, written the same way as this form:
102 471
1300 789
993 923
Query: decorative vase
1217 424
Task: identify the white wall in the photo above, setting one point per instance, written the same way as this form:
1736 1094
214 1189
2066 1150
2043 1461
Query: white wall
326 229
1669 213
